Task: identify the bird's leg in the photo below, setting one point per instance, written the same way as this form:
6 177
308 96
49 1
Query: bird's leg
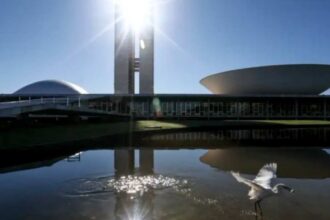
258 203
255 209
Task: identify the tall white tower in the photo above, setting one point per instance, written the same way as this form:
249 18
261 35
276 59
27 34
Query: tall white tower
134 52
146 69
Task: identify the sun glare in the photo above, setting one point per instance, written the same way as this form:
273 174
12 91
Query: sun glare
136 12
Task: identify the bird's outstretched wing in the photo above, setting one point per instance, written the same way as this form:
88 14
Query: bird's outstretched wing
241 179
255 190
265 175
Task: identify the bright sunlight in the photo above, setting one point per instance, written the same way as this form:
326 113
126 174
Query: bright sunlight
137 13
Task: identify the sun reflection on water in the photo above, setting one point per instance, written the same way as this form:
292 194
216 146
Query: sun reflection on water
135 194
133 185
138 185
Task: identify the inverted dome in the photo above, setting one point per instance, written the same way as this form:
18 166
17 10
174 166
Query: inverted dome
249 161
51 87
293 79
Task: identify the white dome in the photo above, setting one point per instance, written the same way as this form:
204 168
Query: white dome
51 87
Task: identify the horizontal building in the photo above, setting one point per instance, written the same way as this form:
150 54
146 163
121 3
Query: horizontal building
173 106
270 92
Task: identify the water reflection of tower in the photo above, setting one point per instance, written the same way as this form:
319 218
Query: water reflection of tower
127 206
124 162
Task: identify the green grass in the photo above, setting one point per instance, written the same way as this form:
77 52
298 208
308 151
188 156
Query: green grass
156 125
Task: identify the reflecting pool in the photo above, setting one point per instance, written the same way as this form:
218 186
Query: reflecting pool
146 183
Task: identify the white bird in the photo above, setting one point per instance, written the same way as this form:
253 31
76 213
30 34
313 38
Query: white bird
261 186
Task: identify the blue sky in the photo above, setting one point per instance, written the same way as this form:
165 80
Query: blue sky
65 39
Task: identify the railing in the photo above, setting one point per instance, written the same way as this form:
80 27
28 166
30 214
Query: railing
66 101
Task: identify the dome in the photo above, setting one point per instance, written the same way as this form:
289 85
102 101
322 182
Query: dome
51 87
293 79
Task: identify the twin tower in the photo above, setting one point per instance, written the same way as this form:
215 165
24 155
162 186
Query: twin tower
134 54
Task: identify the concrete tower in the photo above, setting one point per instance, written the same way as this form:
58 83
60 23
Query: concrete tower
130 58
146 69
124 55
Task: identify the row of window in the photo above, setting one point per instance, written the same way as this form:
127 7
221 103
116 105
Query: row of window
263 134
214 109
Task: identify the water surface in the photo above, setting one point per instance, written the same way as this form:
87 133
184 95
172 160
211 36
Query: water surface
165 184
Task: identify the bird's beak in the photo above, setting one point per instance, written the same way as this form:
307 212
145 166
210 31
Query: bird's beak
289 189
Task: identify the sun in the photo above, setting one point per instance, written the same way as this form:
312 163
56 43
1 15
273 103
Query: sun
137 13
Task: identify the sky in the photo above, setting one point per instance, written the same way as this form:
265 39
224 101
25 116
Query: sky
73 40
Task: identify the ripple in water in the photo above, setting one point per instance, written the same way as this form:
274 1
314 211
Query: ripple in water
132 185
137 186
